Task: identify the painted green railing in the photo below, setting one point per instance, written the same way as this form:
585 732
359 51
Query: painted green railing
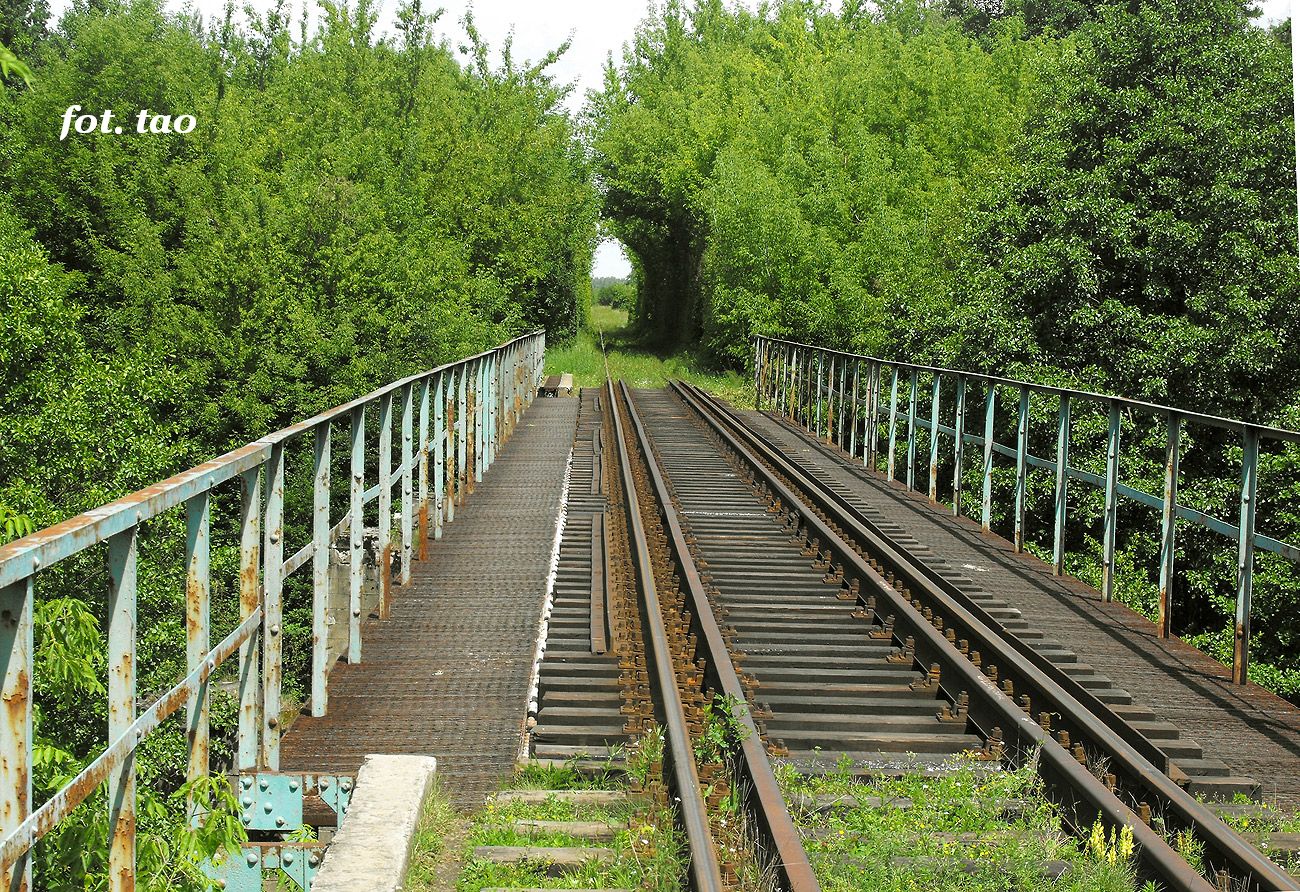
852 400
453 421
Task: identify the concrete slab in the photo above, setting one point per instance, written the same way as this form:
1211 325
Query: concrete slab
372 848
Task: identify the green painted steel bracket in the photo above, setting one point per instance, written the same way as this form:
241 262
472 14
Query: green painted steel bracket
244 872
272 802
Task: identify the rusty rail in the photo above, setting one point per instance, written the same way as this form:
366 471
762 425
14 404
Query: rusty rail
767 804
1083 795
845 398
472 406
704 869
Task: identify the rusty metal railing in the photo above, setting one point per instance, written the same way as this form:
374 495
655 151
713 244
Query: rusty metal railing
846 399
453 421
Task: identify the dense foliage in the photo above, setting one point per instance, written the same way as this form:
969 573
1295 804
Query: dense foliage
349 209
1089 194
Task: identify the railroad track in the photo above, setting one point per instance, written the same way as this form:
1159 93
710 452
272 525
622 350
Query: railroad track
723 569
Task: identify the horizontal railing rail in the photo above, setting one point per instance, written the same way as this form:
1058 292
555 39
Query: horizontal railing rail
846 398
453 420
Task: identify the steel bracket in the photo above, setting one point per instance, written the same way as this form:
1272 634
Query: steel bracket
243 871
273 801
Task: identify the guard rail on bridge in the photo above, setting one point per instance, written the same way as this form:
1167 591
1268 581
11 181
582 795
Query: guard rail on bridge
453 421
841 397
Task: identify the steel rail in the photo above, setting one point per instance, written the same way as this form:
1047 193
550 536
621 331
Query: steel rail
767 802
1080 794
704 869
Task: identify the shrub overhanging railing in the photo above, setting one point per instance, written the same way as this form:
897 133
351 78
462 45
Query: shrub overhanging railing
846 399
453 421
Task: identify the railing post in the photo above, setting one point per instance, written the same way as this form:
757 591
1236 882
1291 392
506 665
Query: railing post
452 489
479 407
934 436
198 600
817 417
356 531
1245 556
893 424
320 569
839 417
758 374
440 405
385 504
1022 466
990 415
250 559
1062 484
422 533
853 425
959 444
462 433
16 650
911 433
1112 505
871 432
408 476
272 623
122 552
1169 525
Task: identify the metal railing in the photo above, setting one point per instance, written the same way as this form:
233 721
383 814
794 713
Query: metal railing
453 421
846 398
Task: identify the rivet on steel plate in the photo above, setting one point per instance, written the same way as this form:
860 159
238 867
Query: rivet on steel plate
269 807
279 820
252 858
287 857
263 784
293 786
246 801
313 859
324 782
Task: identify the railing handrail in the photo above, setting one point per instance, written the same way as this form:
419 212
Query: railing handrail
800 379
1233 424
35 551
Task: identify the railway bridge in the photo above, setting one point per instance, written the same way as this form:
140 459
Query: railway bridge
583 584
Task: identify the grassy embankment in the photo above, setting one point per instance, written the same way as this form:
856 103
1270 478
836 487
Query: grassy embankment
636 365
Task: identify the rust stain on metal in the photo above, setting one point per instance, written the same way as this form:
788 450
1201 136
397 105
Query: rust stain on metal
386 581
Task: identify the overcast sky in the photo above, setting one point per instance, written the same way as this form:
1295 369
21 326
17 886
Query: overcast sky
597 27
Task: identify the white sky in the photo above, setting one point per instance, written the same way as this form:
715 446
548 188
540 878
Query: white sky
597 28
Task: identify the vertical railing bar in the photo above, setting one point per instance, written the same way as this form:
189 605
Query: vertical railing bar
273 640
320 569
959 444
356 540
758 377
1062 498
857 413
462 433
1245 556
122 567
250 558
1112 504
408 476
893 424
1022 468
440 406
911 432
872 430
17 650
990 415
198 612
385 549
935 386
839 418
422 503
1169 525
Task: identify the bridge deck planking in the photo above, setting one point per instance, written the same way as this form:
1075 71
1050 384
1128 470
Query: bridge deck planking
1252 730
447 675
